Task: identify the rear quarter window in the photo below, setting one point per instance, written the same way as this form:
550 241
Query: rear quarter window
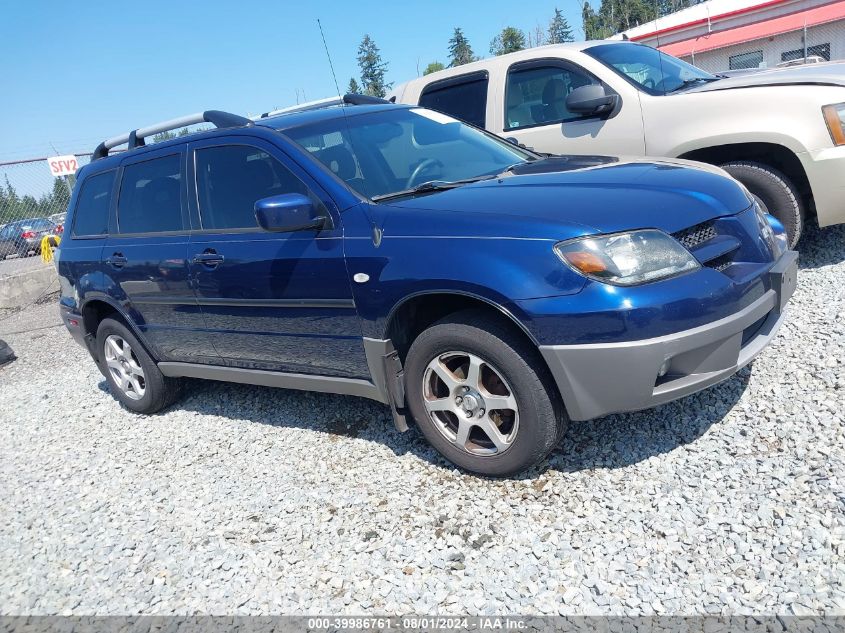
463 97
91 216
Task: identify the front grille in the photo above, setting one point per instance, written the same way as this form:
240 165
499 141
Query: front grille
695 235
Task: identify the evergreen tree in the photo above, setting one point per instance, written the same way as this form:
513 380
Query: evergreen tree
353 87
433 67
559 29
59 198
373 68
509 40
460 52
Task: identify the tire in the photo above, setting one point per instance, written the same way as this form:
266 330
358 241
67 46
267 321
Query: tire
776 193
511 369
156 390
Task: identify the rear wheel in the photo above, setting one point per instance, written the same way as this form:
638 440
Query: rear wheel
133 376
482 395
775 193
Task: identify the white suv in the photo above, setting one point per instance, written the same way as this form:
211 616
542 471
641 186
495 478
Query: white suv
780 132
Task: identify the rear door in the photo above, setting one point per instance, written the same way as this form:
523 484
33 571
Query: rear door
144 256
535 112
276 301
463 97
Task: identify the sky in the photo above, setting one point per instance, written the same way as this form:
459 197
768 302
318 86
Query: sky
76 73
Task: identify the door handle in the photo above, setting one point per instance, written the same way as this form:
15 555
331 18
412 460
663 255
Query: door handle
117 260
210 258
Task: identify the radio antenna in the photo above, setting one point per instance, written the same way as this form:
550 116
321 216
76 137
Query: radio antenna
331 66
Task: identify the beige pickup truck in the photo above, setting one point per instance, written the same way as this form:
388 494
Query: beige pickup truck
780 132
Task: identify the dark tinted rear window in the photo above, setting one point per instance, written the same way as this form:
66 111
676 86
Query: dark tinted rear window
464 98
92 207
151 196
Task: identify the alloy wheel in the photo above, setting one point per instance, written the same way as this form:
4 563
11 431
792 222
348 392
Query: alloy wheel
124 367
470 403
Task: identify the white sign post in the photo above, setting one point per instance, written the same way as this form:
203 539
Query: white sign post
63 165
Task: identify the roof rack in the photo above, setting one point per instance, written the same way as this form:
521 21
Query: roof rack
135 138
347 99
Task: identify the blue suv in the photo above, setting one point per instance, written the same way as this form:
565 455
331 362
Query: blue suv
489 293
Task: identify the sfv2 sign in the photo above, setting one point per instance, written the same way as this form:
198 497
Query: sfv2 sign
63 165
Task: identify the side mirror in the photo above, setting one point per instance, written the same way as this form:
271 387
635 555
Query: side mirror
288 212
591 100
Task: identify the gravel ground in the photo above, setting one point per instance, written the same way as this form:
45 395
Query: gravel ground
252 500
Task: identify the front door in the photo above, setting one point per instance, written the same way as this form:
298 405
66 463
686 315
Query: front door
276 301
535 113
144 256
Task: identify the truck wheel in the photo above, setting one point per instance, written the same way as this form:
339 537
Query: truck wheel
482 395
133 376
775 193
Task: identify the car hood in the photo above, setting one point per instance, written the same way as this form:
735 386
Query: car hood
567 196
831 74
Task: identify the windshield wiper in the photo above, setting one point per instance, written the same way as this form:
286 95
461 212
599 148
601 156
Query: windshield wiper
430 186
686 83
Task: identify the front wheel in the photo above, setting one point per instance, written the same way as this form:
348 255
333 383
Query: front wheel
482 395
775 193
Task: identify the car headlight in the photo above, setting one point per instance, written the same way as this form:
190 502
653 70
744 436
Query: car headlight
766 229
627 259
834 116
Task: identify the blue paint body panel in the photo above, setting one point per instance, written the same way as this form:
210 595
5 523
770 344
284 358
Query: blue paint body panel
288 302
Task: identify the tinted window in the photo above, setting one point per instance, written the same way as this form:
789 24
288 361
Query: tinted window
745 60
150 196
92 207
231 178
464 99
538 95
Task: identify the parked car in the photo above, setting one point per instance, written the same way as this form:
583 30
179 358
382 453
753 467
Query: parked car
392 252
780 132
59 220
23 237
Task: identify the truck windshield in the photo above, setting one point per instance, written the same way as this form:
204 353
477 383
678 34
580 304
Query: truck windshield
387 153
647 68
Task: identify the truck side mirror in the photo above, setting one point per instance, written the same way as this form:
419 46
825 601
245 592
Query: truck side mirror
591 100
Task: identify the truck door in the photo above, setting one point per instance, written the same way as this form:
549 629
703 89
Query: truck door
535 112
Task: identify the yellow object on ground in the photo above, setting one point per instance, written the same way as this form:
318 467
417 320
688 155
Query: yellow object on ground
48 243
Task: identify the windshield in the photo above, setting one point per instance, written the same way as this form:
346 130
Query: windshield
655 72
389 151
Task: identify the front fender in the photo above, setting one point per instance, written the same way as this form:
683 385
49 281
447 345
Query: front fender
498 271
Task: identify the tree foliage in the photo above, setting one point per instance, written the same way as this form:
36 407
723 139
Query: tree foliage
615 16
460 52
373 68
433 67
559 29
353 87
16 207
510 40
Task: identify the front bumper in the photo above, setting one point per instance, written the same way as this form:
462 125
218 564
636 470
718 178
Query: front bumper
825 169
599 379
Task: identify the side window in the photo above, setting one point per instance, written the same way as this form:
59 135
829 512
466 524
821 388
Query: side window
537 95
91 216
464 98
150 196
231 178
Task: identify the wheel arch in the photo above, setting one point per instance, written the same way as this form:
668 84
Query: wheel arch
774 155
97 308
415 312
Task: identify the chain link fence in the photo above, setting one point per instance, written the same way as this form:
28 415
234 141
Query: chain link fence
810 45
33 204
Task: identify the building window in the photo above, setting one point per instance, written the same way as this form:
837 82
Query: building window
746 60
819 50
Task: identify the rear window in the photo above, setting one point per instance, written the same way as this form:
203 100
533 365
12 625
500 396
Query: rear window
151 196
464 98
92 207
